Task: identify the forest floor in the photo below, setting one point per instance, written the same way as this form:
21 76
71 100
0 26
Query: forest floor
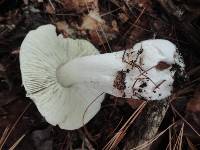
124 23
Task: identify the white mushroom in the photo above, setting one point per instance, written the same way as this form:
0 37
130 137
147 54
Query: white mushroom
67 78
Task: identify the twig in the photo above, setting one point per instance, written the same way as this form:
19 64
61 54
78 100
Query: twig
14 125
17 142
147 124
147 143
174 109
120 134
4 134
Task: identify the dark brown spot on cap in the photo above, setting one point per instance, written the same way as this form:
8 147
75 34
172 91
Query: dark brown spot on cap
162 65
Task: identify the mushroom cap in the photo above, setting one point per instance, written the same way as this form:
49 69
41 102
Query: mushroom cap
42 52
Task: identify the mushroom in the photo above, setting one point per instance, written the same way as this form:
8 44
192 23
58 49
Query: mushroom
67 79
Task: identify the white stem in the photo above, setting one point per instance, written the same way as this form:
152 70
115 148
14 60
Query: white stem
131 73
96 71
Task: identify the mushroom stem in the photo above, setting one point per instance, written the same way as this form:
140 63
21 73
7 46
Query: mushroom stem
96 71
142 72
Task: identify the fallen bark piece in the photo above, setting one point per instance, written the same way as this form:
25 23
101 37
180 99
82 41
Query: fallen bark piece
98 30
92 21
147 124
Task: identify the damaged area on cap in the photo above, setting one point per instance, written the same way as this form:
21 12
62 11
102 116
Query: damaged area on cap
41 54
